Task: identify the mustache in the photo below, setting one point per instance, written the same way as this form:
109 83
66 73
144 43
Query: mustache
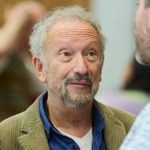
78 77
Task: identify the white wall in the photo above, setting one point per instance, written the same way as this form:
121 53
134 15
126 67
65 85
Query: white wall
117 21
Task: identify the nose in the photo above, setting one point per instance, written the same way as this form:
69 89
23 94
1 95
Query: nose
80 65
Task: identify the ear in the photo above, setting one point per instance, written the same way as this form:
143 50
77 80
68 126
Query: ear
39 69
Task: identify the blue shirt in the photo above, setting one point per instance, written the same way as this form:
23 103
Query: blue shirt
58 141
139 135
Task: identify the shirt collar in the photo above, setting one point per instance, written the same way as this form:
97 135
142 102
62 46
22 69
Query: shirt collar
46 122
98 121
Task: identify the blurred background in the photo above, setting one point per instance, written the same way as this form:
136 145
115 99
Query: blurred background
117 21
47 3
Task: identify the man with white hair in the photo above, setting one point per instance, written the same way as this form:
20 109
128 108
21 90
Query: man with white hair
68 51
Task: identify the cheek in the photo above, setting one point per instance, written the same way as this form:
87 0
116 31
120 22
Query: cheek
139 16
142 17
52 76
57 73
96 73
52 72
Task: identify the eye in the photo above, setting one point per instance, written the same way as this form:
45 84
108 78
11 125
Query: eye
65 55
92 55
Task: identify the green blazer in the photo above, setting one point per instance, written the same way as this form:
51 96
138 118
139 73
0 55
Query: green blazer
25 131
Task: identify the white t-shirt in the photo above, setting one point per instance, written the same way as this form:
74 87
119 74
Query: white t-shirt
85 142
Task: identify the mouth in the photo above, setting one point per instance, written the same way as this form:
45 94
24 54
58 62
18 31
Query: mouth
79 84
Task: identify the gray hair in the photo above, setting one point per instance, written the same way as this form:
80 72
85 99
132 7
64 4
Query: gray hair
147 3
40 29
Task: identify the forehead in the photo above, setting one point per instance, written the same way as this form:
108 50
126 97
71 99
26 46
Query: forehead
143 9
73 28
146 3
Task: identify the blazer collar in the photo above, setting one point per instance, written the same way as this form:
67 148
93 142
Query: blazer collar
114 130
32 130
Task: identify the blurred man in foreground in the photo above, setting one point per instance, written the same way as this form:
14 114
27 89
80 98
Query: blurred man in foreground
139 136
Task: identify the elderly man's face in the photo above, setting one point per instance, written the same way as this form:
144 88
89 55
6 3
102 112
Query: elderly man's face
74 62
142 31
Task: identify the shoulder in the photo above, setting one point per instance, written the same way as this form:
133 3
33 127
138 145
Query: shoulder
143 119
15 126
10 130
11 122
140 127
146 110
109 113
125 117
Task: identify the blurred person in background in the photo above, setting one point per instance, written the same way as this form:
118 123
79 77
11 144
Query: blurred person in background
139 135
135 92
18 86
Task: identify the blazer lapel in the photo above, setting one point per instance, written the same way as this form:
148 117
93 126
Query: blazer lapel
33 141
114 131
32 131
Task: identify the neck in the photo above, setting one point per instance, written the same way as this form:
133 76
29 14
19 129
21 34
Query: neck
74 121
